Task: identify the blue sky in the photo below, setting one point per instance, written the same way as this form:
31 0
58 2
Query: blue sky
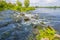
41 2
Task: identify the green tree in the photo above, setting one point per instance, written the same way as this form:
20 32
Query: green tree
10 6
2 5
26 3
19 3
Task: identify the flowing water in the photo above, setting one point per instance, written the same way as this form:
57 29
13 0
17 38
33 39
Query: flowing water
50 16
13 26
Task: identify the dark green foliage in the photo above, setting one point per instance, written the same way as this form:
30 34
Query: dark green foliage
2 5
26 3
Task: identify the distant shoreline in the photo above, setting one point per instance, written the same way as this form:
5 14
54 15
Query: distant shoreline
48 7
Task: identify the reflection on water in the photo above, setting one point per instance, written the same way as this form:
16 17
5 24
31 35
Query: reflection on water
16 25
50 15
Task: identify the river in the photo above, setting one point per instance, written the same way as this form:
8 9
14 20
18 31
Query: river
51 16
13 27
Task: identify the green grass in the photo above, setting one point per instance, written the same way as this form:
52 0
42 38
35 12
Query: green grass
47 32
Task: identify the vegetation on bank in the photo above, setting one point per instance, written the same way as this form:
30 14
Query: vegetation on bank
47 7
18 6
47 32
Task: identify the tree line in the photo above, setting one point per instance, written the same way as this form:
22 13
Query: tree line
16 6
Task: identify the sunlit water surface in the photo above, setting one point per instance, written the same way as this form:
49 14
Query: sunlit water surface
51 16
20 30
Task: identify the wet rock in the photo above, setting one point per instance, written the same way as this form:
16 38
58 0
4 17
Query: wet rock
26 19
22 14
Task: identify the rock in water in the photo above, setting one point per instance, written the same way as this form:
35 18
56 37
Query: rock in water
17 26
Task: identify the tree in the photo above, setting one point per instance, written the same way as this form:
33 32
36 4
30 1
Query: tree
26 3
19 3
2 5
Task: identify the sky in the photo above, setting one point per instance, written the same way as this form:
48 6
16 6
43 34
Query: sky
41 2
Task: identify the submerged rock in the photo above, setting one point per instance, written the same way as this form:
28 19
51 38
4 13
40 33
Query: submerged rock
26 19
18 26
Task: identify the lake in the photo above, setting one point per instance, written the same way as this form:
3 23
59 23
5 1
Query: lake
51 16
